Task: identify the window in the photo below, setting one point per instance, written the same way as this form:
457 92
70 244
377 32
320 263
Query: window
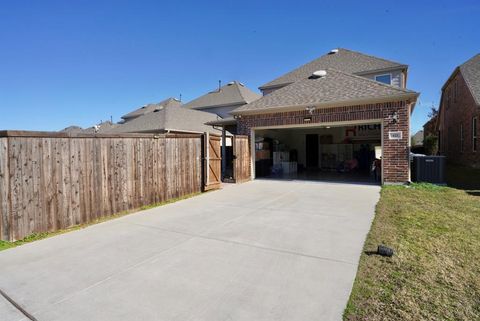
386 79
474 134
461 138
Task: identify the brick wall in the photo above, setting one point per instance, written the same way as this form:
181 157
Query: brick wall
395 152
461 111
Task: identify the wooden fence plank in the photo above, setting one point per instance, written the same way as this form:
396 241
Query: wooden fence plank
51 183
4 191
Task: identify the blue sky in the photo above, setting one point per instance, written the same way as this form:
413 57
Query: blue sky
79 62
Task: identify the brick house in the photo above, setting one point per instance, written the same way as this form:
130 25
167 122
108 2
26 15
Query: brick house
459 115
333 118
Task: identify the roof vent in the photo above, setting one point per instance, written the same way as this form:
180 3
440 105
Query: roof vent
318 74
333 51
231 83
158 109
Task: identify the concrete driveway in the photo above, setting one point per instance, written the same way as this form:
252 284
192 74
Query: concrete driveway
263 250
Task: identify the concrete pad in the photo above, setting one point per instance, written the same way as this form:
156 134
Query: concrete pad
8 311
264 250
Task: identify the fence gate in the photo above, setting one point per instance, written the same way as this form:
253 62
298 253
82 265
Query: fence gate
212 162
241 158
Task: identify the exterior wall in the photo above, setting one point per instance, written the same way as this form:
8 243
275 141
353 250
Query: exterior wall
462 109
397 77
396 167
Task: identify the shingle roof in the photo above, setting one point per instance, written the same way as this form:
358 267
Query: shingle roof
233 93
345 60
170 117
471 73
103 127
335 88
150 108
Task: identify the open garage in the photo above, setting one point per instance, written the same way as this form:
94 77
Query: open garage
336 152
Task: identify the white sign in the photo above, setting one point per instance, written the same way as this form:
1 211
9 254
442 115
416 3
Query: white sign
395 135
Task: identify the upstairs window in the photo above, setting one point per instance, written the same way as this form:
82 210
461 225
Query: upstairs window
474 134
386 79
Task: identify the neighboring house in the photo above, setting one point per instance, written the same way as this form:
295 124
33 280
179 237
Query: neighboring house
335 114
72 129
100 128
168 118
150 108
417 139
222 101
430 127
459 115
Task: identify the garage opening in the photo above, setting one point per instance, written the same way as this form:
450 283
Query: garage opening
328 153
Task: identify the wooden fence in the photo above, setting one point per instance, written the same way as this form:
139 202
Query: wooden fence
51 181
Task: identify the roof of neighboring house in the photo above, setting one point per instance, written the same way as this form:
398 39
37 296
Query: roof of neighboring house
103 127
150 108
233 93
169 117
471 73
348 61
335 89
72 129
417 139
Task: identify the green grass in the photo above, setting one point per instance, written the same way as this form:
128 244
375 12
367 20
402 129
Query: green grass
34 237
435 272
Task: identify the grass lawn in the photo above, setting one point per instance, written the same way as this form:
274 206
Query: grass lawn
435 272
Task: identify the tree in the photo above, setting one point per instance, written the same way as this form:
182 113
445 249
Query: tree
433 112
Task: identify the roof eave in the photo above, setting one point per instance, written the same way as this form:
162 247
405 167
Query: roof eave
407 96
368 72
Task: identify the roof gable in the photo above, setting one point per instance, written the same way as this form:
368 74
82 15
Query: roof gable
150 108
335 88
170 117
471 73
233 93
345 60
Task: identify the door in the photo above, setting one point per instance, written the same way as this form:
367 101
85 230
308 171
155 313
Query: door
312 150
241 158
212 161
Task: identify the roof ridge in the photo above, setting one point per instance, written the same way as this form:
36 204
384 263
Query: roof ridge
372 81
372 56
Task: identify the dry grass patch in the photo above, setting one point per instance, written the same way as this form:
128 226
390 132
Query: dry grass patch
435 272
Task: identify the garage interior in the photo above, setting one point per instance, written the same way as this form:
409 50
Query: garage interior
326 153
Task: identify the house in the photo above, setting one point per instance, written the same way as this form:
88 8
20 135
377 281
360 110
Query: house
333 118
150 108
168 116
459 114
417 139
430 127
102 127
223 101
